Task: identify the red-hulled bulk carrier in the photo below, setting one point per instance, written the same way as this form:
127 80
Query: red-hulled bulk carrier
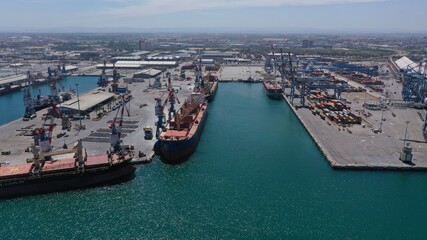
46 175
180 137
80 171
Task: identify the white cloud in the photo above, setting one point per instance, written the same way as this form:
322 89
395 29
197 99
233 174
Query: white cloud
158 7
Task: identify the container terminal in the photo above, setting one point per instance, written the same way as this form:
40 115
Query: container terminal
362 115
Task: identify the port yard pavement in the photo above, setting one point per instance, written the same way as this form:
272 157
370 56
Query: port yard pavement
363 149
141 113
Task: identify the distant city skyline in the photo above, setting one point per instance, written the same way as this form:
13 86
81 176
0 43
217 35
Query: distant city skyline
263 16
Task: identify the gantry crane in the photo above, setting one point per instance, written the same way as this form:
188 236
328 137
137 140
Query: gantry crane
414 85
116 130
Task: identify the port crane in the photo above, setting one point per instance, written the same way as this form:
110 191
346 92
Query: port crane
79 155
46 131
28 100
116 77
159 108
285 83
414 85
116 129
103 79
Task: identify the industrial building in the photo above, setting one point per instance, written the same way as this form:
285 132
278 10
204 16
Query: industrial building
147 73
217 55
88 102
71 69
139 64
237 60
207 61
307 44
126 58
144 45
414 80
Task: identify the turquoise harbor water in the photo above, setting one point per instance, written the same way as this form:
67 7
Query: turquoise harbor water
12 104
256 174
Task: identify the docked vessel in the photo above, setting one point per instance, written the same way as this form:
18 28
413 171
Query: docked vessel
210 83
273 90
207 85
45 176
180 137
9 88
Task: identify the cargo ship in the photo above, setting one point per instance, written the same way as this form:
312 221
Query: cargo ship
180 137
273 89
9 88
210 86
46 175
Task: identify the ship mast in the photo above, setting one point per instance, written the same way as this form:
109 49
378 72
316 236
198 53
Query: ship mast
199 81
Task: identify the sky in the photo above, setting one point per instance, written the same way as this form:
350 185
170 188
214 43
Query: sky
299 16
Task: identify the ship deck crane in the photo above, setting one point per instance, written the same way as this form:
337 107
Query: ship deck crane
77 150
159 108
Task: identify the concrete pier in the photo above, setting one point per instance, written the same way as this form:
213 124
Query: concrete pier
361 149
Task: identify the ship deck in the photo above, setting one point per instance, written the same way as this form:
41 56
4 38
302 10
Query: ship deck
173 134
96 161
272 86
14 171
59 165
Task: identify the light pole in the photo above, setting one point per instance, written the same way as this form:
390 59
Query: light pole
381 122
78 105
406 132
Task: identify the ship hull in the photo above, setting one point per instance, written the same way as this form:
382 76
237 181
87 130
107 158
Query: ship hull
273 93
65 181
214 89
177 151
9 90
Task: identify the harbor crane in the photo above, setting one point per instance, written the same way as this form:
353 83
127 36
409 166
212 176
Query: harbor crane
116 129
28 100
44 133
414 85
116 76
103 79
160 106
